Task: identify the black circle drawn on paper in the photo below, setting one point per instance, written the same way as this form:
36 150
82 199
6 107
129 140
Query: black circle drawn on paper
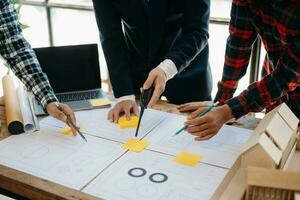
164 178
132 174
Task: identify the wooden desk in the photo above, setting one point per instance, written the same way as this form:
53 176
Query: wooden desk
36 188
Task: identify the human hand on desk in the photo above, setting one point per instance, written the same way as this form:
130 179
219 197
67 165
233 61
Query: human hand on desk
192 106
53 110
126 106
209 125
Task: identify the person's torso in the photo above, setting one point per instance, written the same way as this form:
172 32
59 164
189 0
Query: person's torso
150 30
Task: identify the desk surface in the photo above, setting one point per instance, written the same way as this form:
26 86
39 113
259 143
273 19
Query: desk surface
37 188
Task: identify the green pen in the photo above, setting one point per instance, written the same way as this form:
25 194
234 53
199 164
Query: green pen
200 115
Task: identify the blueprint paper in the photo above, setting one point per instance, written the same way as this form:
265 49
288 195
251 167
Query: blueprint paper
221 150
62 159
154 176
94 122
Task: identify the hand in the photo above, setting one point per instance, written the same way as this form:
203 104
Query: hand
126 107
192 106
55 112
207 126
158 79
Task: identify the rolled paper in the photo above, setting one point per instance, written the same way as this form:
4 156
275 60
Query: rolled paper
12 107
29 119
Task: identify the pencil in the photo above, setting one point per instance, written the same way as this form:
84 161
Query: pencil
69 121
200 115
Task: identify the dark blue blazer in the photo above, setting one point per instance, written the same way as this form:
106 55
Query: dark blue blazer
135 38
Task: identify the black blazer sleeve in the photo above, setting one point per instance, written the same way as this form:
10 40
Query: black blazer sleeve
194 36
114 47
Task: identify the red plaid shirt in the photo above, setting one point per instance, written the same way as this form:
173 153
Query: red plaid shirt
277 22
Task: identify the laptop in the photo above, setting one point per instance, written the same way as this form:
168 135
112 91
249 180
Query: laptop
74 74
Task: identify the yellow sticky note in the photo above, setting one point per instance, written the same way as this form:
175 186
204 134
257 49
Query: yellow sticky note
132 123
188 159
135 145
99 102
67 130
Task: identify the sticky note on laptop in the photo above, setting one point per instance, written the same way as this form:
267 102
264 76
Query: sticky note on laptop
135 145
188 159
131 123
100 102
67 130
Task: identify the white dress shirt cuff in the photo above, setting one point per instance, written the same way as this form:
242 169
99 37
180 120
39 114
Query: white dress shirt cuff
125 98
169 68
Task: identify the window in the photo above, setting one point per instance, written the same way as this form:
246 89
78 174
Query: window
65 22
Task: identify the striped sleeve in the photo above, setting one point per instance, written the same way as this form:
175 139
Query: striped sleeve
238 50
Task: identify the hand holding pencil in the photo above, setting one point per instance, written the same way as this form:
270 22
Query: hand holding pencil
205 122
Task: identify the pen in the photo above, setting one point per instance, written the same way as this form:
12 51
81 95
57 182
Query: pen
200 115
145 98
69 121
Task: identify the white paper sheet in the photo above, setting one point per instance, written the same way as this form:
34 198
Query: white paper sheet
94 122
63 159
30 122
221 150
182 182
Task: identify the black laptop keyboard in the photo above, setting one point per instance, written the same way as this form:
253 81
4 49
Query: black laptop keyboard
79 96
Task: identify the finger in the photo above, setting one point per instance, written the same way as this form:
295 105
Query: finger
149 82
203 133
69 112
196 129
158 90
116 115
196 121
190 107
60 115
182 106
127 112
196 113
135 110
110 115
207 137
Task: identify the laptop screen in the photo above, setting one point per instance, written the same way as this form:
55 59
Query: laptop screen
71 68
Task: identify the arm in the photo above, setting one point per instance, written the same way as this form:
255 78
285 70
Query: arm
192 41
114 47
23 62
194 33
285 78
20 56
238 50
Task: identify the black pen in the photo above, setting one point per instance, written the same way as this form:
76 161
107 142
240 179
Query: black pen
145 98
69 121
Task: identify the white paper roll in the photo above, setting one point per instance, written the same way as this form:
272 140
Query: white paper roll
29 122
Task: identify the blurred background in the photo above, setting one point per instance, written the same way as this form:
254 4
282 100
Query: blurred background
69 22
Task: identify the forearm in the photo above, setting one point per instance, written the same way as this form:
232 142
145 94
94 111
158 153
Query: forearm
265 93
238 50
21 58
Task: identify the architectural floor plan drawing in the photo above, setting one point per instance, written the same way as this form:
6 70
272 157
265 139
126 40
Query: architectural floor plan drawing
66 160
101 167
221 150
94 122
154 176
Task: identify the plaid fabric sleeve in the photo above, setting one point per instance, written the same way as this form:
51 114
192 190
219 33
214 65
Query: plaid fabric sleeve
20 56
238 50
286 76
